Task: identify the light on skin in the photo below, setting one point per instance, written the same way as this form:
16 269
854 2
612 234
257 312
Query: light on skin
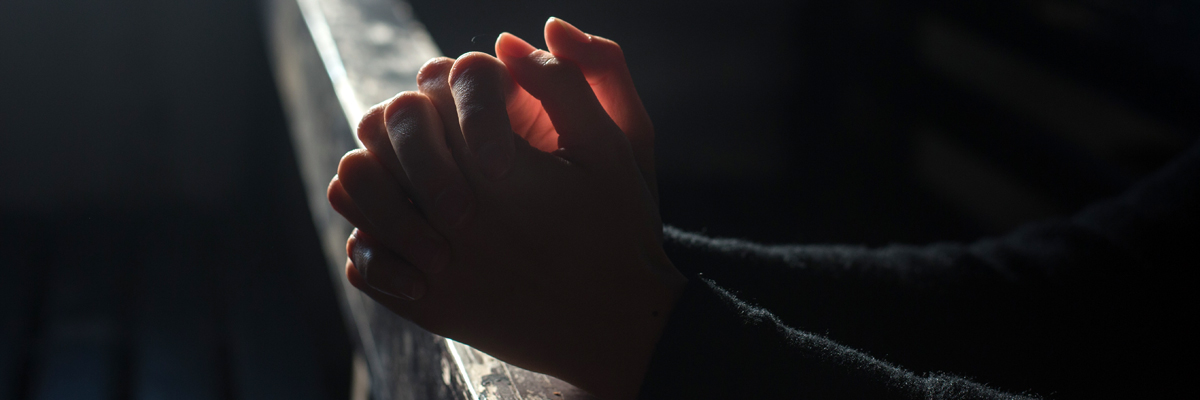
558 265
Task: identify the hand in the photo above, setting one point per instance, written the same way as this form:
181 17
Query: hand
550 261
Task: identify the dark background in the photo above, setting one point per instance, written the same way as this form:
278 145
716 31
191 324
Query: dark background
154 240
802 121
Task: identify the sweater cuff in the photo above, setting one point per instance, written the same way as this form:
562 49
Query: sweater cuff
716 346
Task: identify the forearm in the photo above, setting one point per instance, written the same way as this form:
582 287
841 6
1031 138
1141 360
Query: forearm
830 287
1051 306
1101 247
717 346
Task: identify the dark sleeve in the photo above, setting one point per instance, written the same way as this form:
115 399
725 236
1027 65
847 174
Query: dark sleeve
718 347
1048 308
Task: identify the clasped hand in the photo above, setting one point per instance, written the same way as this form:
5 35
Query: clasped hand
510 204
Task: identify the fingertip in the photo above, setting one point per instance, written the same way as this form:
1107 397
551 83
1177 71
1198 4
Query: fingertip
336 194
511 47
359 169
351 164
558 28
351 242
596 55
371 124
404 103
434 83
469 62
435 70
480 84
354 276
404 99
335 185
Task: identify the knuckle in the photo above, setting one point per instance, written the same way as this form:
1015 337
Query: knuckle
370 126
331 191
349 162
474 65
351 243
471 112
403 101
337 197
435 70
353 275
404 118
353 166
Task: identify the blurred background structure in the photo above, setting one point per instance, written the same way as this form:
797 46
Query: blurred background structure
156 240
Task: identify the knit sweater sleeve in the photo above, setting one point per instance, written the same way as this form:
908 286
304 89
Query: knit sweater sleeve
1025 311
718 347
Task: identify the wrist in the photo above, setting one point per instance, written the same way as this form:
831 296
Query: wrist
627 361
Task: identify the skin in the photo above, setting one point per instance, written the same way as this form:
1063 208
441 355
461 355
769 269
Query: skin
511 205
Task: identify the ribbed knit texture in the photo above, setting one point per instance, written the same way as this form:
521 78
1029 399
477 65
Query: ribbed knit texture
1095 305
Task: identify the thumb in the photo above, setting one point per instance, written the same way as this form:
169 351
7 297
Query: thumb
603 64
585 131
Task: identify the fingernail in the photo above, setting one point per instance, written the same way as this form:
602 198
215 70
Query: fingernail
360 264
429 254
495 159
515 46
351 242
572 31
408 287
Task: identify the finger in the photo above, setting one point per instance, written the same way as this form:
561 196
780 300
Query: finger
343 204
584 128
391 217
524 112
603 65
528 119
419 141
477 82
373 133
380 270
353 276
433 81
